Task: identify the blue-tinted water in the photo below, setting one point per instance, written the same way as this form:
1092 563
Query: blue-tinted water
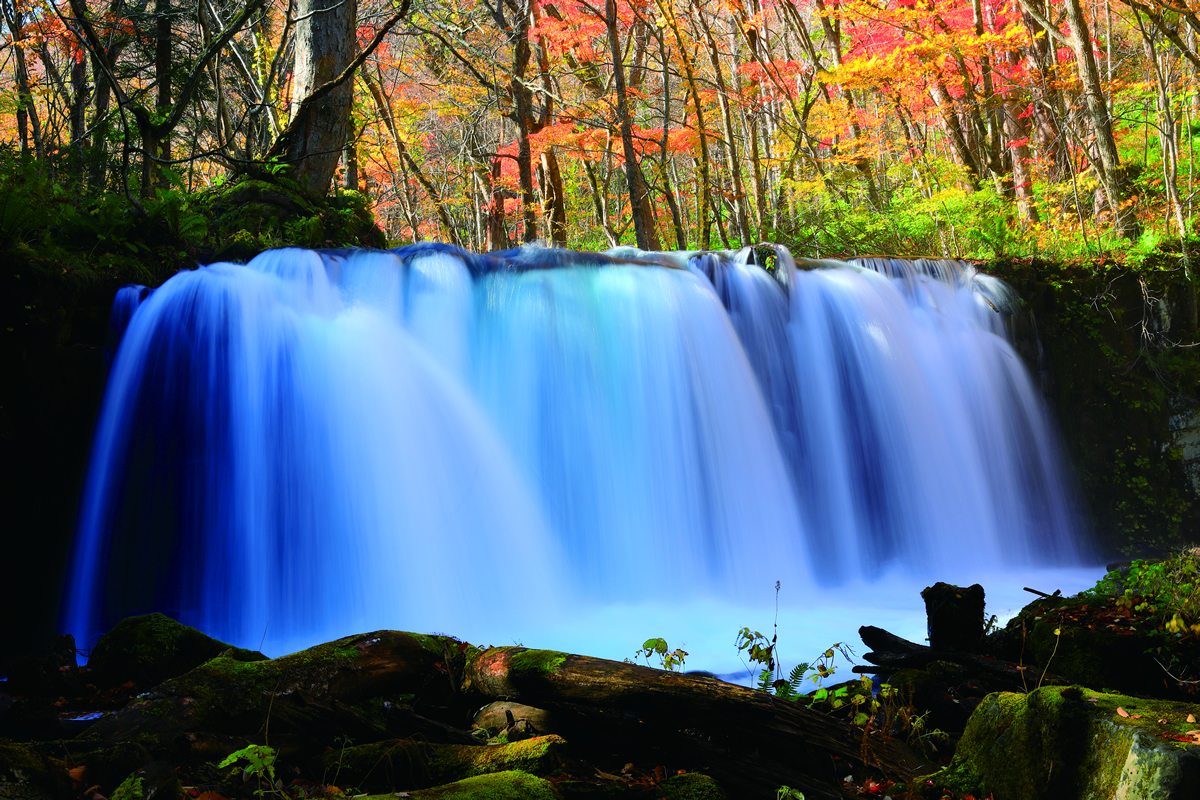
505 446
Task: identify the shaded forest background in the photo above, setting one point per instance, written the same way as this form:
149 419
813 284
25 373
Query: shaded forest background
1053 139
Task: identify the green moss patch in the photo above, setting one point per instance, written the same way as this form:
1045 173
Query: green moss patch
528 662
1071 742
691 786
512 785
151 648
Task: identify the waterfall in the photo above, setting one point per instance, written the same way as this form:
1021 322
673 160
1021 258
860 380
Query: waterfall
317 443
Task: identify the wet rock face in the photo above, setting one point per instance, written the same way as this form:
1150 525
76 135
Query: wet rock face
1063 743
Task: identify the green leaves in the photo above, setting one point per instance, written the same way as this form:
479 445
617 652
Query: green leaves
669 659
260 763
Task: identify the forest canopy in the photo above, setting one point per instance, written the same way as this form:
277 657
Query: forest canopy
940 127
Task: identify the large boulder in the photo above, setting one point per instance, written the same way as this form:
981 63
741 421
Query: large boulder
358 687
1063 743
152 648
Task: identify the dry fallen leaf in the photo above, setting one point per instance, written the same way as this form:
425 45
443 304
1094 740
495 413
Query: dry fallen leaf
1191 718
1122 712
1136 716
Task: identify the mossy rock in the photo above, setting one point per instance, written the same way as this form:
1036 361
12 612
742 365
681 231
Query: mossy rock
512 785
150 648
691 786
493 717
225 696
403 763
257 213
1063 743
26 774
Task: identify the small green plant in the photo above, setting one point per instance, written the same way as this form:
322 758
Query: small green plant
1057 639
669 659
260 764
788 793
1167 591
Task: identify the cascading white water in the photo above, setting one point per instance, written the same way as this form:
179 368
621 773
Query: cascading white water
314 444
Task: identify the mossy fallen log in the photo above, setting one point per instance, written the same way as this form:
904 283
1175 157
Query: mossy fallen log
750 741
512 785
407 764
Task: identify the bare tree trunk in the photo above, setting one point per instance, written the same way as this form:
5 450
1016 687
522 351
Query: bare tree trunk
556 210
663 171
1111 172
325 46
643 219
702 199
160 145
1016 133
738 205
27 114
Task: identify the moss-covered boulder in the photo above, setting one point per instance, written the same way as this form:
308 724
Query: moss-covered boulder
150 648
513 785
351 686
399 764
691 786
1061 743
26 774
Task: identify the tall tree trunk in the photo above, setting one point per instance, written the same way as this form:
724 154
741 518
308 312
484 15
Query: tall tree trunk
733 164
27 114
958 139
556 210
325 46
1017 133
664 173
643 218
163 54
497 236
703 183
79 96
1111 172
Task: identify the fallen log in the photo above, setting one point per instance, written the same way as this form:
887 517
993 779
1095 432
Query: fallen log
750 741
890 653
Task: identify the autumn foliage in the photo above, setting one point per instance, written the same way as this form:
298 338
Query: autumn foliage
943 126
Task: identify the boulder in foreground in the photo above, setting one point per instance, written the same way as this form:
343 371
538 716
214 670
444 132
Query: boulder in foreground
1068 743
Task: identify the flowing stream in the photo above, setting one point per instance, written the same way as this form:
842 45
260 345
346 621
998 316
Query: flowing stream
566 450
